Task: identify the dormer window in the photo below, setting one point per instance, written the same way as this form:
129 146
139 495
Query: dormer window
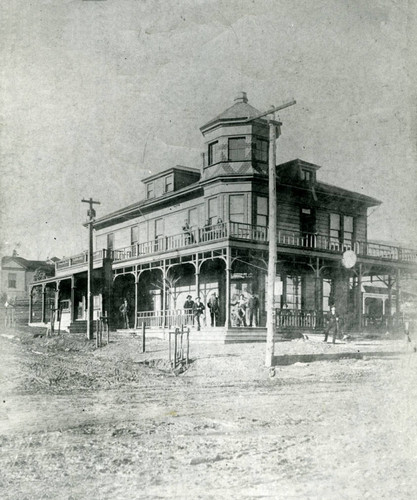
150 190
237 149
169 183
306 175
213 150
261 150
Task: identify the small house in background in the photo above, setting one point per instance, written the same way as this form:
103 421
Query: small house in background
17 273
200 231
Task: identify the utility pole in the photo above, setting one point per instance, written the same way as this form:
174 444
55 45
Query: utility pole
272 228
91 215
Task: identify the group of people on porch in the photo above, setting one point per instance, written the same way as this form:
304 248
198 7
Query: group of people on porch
244 310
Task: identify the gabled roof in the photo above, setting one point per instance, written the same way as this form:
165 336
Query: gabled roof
29 265
240 111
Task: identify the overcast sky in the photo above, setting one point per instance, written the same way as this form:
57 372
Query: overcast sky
96 95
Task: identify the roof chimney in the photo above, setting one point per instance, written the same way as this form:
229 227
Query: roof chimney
241 97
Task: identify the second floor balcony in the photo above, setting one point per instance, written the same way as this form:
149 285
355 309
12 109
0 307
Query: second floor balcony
195 238
259 234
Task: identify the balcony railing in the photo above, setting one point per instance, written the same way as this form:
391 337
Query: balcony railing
196 236
248 232
81 259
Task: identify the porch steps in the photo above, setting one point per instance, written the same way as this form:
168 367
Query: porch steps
80 326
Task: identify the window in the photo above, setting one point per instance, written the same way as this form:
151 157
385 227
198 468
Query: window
261 211
134 233
169 183
193 217
261 150
306 175
213 210
159 232
293 295
12 278
334 231
142 233
110 241
159 228
237 149
236 208
150 192
327 288
213 153
347 232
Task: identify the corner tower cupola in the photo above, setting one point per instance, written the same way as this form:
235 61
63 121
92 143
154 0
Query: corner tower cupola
234 145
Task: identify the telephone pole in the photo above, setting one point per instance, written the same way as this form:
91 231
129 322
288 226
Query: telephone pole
274 126
90 306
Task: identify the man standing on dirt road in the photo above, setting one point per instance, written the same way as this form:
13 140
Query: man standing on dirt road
333 325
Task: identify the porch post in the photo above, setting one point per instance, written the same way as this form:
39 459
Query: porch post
316 286
136 299
58 283
389 312
30 304
398 296
359 297
228 271
43 316
317 298
197 278
72 305
164 293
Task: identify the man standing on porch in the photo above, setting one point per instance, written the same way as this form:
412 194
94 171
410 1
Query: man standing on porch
124 311
213 305
189 309
199 308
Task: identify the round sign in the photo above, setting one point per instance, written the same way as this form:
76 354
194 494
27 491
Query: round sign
348 259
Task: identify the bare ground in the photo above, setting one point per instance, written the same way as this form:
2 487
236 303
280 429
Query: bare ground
76 422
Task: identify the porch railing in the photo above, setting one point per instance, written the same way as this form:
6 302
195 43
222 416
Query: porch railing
175 318
293 319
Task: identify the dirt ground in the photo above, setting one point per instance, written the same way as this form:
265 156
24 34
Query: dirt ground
78 422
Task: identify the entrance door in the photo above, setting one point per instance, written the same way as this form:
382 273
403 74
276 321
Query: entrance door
308 226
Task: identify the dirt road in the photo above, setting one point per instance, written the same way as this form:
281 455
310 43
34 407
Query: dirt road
79 423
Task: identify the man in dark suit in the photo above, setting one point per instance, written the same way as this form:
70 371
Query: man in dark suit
199 309
333 325
213 305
